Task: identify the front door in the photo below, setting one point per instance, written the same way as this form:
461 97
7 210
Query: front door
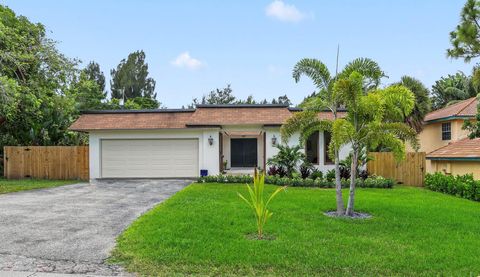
243 152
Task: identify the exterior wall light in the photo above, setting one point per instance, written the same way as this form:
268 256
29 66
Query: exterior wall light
274 140
210 140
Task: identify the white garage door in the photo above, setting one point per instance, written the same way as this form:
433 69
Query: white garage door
149 158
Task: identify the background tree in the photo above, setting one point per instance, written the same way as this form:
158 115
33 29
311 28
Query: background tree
93 73
88 93
284 100
35 84
130 78
373 118
451 89
307 121
217 96
422 102
465 39
225 96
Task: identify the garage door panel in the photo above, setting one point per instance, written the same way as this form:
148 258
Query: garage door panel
149 158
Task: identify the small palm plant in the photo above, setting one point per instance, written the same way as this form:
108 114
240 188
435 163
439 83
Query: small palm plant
257 201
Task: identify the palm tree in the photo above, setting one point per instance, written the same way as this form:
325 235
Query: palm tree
373 118
307 121
422 102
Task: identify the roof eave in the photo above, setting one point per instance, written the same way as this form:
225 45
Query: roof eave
453 158
448 118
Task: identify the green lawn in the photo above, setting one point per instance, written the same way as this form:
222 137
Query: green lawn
7 186
202 230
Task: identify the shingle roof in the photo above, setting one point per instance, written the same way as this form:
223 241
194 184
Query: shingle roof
127 121
465 108
211 115
464 148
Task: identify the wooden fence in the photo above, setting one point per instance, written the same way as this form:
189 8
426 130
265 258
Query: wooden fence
46 162
410 172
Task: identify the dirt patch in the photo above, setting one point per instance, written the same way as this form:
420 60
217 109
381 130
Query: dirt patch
356 215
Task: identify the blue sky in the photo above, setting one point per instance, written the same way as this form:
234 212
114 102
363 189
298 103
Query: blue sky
193 47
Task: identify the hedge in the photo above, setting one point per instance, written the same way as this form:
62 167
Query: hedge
461 185
370 182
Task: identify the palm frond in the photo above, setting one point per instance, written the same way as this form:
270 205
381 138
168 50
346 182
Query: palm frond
315 70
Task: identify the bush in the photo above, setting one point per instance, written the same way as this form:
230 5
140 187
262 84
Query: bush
370 182
316 173
277 171
330 175
461 185
305 171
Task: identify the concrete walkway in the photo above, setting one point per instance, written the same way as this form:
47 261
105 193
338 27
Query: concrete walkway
72 229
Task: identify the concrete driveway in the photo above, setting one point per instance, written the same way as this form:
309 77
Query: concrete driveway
72 229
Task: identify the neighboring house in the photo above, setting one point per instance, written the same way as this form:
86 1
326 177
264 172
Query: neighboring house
179 143
445 142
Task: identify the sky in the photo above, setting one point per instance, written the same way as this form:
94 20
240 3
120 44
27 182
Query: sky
193 47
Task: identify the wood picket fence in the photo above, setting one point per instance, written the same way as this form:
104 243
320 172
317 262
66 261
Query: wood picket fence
410 172
46 162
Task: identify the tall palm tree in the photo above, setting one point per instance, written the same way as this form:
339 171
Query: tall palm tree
372 118
307 121
422 102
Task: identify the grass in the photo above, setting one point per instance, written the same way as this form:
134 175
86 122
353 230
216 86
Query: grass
7 186
203 230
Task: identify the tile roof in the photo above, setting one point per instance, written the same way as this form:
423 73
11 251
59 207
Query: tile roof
464 148
465 108
214 115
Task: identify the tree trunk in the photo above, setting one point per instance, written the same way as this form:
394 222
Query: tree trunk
338 184
353 175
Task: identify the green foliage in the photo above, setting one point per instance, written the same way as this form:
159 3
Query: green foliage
451 89
130 78
37 105
473 126
422 102
287 157
461 185
88 93
315 180
258 202
465 39
225 96
93 73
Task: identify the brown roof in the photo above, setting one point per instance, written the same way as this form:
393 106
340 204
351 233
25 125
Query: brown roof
240 116
126 121
204 115
465 108
465 148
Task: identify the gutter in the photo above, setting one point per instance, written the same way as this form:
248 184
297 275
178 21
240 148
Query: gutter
464 159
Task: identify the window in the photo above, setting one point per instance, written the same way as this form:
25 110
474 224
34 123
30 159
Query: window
446 131
327 137
312 148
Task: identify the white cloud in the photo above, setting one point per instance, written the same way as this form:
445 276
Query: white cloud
187 61
284 12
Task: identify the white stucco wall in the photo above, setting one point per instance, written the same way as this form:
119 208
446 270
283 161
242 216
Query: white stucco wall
207 154
295 139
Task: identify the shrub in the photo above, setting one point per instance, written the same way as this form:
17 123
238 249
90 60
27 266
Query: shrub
277 171
316 174
461 185
305 170
330 175
370 182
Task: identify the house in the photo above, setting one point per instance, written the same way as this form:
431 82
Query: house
445 142
168 143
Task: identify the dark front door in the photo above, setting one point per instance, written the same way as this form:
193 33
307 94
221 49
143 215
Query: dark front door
243 152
